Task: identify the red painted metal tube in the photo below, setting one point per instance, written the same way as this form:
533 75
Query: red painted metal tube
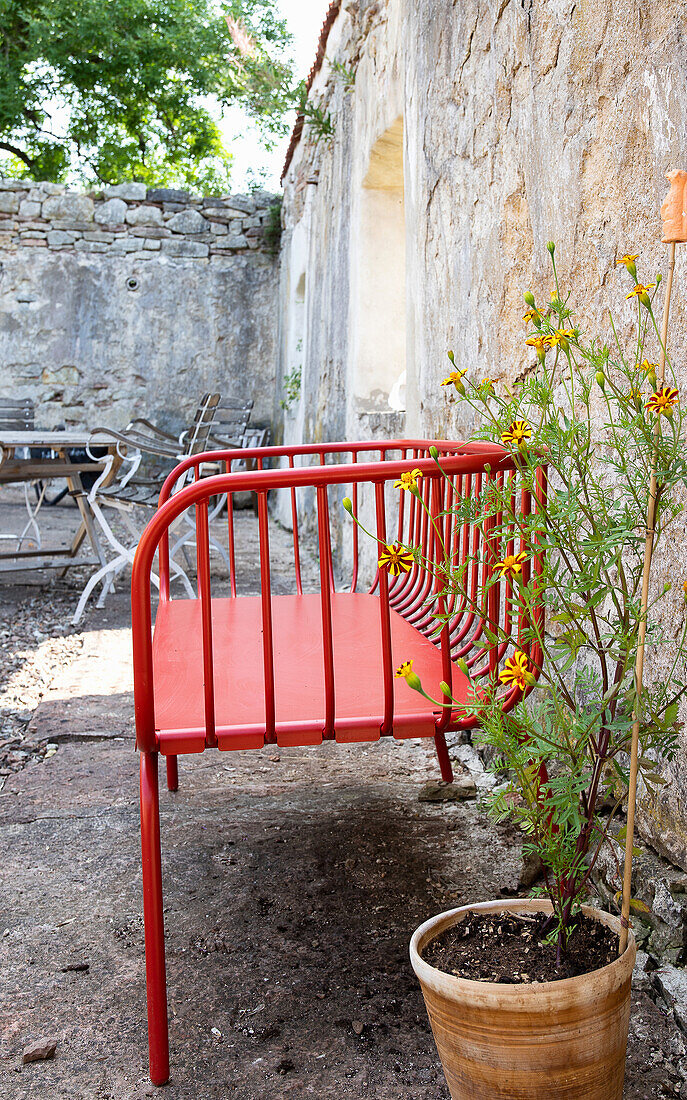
153 920
204 591
326 605
294 527
385 619
266 596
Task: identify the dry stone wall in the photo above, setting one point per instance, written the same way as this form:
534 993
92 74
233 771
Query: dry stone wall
132 301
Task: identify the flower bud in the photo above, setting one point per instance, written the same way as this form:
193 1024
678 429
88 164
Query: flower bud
550 247
658 278
462 665
348 504
413 681
529 298
444 688
433 452
601 379
451 357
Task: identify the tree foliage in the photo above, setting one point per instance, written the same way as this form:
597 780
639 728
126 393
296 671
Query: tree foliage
108 90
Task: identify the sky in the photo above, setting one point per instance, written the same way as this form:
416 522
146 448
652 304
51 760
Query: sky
251 158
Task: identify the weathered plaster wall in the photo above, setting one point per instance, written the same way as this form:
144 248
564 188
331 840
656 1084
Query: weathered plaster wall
134 302
523 121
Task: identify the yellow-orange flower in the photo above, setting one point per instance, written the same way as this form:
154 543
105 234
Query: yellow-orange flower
408 480
455 379
684 591
647 367
533 316
561 336
512 564
396 559
405 672
539 343
516 671
629 262
518 433
663 401
642 292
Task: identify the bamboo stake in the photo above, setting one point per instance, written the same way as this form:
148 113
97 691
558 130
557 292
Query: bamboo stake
639 662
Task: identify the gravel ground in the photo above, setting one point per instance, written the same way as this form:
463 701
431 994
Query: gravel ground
293 880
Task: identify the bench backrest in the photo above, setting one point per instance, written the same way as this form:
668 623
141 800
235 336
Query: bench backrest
16 416
455 511
231 423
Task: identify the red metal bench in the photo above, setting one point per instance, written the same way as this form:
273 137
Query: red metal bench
228 672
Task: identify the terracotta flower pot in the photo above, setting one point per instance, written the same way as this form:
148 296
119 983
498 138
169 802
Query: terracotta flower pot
562 1040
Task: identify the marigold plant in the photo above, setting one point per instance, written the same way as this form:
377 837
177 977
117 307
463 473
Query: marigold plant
588 409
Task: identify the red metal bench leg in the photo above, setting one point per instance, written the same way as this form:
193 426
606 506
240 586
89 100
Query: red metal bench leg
444 759
156 986
172 773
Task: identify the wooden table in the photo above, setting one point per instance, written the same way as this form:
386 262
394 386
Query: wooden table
17 465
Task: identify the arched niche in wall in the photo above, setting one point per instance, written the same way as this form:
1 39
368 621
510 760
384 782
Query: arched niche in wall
296 340
379 259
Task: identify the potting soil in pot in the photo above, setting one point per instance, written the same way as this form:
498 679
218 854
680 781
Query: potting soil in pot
495 947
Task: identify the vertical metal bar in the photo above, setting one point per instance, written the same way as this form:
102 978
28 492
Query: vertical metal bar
387 658
203 552
354 575
294 525
326 609
266 595
232 544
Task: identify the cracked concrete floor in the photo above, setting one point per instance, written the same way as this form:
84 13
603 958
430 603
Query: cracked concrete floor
293 880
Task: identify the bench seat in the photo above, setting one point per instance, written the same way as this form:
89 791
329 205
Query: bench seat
298 670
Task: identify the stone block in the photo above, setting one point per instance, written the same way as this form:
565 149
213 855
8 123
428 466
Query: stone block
174 247
233 241
187 221
111 212
76 227
154 231
90 246
5 240
37 233
151 245
671 982
40 191
218 212
253 242
132 192
251 223
60 237
240 204
169 208
28 209
32 242
144 215
8 184
167 194
9 202
98 235
68 207
218 228
123 244
235 226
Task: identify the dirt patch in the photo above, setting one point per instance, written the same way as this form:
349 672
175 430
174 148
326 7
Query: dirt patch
509 949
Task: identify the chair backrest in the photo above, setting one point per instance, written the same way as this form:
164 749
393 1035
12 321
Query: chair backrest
16 416
230 423
195 438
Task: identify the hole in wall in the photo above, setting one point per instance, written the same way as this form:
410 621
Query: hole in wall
132 283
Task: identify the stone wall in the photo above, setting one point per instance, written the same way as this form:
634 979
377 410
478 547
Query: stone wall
523 121
132 301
